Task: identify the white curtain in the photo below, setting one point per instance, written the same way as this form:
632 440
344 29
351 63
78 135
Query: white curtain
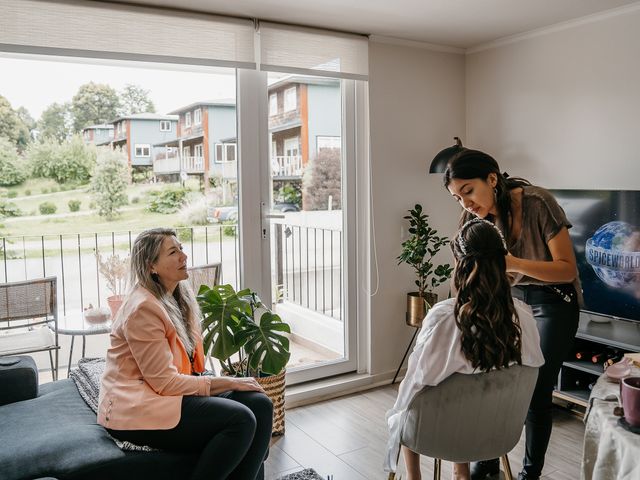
310 51
125 32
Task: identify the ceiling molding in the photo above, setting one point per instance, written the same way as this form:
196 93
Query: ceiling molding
558 27
415 44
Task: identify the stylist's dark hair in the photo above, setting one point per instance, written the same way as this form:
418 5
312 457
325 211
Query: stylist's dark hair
469 164
484 310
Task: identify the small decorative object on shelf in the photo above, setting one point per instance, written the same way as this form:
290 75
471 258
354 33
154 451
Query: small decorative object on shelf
96 315
114 270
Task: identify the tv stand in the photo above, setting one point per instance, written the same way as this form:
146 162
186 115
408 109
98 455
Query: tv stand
575 375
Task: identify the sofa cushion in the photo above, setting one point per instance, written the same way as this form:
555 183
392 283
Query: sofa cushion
19 379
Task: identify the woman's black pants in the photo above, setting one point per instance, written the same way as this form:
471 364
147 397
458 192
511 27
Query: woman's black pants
557 321
231 433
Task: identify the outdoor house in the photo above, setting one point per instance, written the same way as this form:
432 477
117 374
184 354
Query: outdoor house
98 134
304 117
196 147
136 135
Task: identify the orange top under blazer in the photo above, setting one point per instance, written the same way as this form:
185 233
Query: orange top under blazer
147 370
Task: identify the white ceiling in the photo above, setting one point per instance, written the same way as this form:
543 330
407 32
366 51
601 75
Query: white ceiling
455 23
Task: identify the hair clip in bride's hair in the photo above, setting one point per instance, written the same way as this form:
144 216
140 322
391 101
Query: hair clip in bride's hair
461 242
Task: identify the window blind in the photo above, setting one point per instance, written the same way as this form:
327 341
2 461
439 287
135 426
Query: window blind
310 51
126 32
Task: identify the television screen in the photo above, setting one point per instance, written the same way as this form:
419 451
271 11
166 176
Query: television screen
606 238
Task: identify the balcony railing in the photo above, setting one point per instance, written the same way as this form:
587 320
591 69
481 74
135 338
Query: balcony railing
308 262
286 166
173 165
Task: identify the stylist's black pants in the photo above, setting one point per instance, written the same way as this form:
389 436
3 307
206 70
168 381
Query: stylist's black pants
557 322
230 432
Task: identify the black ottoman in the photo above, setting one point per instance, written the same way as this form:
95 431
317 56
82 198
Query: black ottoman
19 379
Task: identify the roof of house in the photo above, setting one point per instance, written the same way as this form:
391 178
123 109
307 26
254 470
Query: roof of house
106 126
303 79
223 102
146 116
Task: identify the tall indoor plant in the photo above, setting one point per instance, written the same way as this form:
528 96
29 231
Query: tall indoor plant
239 325
418 251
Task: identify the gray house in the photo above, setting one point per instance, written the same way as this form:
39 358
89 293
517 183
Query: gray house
199 148
136 135
98 134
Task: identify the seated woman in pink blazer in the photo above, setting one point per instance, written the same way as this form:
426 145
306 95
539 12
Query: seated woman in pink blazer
151 393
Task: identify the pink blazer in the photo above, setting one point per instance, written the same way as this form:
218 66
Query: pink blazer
147 369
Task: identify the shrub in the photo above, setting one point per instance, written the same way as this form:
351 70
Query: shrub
44 190
9 209
92 205
47 208
53 189
167 200
12 194
70 161
321 180
27 192
74 205
135 200
231 228
109 183
11 170
185 234
194 212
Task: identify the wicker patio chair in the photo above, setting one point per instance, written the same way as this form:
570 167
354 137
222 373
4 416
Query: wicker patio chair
204 275
29 319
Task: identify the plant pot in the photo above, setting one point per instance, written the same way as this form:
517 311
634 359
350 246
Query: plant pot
418 306
274 388
114 302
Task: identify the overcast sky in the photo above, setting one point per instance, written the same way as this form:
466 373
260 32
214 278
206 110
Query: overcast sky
34 83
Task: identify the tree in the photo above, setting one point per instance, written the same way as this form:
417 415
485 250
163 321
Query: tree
321 180
109 182
56 122
70 161
12 171
11 125
94 103
135 99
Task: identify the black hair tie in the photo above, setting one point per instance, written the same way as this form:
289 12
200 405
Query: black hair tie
505 175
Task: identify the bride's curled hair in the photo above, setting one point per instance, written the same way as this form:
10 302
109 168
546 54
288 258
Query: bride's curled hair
484 310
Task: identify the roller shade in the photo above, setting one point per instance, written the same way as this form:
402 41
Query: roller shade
108 30
309 51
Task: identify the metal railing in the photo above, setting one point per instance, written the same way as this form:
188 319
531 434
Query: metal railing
177 164
308 262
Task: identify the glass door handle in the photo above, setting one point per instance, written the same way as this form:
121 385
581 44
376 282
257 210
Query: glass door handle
273 215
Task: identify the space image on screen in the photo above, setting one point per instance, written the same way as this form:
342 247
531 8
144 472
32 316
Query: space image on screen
606 239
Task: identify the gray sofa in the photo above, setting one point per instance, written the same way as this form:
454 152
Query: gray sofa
50 431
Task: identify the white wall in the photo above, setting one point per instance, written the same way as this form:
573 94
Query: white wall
417 106
562 109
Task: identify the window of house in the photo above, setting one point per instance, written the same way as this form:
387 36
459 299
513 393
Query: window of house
230 152
186 152
197 151
142 150
325 142
187 119
165 126
290 99
273 104
197 116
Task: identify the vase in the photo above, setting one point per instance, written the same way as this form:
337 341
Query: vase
418 306
114 302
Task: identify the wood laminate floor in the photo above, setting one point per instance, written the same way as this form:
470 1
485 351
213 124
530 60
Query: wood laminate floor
346 438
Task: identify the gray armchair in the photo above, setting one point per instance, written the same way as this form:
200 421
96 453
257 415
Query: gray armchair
469 418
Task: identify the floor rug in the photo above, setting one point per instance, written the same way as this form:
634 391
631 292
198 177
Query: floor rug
306 474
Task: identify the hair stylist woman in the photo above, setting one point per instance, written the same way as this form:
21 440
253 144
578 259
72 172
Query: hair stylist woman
543 269
150 394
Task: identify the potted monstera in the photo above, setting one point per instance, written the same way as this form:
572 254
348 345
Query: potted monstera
418 251
248 340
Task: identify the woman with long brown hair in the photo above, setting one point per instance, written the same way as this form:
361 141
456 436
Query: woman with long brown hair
542 270
481 329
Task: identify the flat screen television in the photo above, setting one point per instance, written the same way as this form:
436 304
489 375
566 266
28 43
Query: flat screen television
606 239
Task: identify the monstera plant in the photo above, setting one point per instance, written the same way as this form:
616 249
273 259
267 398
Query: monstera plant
239 323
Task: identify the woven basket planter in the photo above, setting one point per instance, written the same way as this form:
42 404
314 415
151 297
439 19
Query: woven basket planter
274 388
